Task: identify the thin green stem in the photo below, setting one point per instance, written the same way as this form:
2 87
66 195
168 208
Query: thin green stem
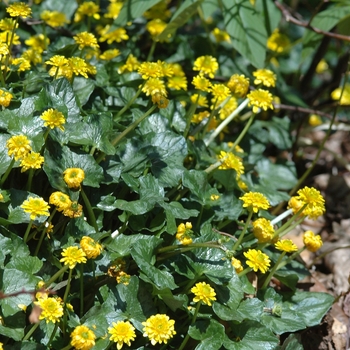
129 103
240 238
130 128
30 180
91 214
31 331
189 247
151 51
44 232
244 131
225 122
273 270
52 335
184 342
188 116
56 275
7 173
244 272
25 237
81 282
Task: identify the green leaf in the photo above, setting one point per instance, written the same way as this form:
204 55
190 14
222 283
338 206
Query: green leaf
174 302
278 131
187 9
197 182
249 309
28 264
251 335
14 281
143 253
83 89
293 342
247 30
209 7
58 158
324 20
93 131
271 14
133 9
16 334
5 160
210 333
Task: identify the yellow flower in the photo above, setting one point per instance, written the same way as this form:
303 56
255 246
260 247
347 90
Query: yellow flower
113 10
220 91
231 161
21 64
33 56
122 333
265 77
314 200
123 278
73 177
75 210
160 10
344 99
6 35
184 232
85 39
53 119
239 85
242 185
315 120
263 230
286 245
87 8
260 99
78 66
72 256
19 9
150 70
31 160
155 27
312 242
83 338
159 329
35 206
201 83
54 18
220 35
321 67
203 292
237 265
278 42
51 309
8 24
198 117
57 61
200 100
255 201
228 108
177 82
160 100
4 49
18 146
91 248
130 65
214 197
257 260
153 86
117 35
5 98
60 200
206 65
1 346
109 54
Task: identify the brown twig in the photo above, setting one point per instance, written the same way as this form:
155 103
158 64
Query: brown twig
302 110
32 292
289 18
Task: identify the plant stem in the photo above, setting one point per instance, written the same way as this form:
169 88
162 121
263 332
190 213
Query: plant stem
273 270
25 237
52 335
89 209
240 238
184 342
127 130
56 275
225 122
151 51
31 331
44 232
81 282
4 177
129 103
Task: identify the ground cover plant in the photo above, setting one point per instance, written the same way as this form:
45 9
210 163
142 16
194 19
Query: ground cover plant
150 170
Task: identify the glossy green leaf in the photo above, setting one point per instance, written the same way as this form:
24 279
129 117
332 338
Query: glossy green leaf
210 333
247 30
187 9
197 182
293 342
251 335
133 9
58 158
83 89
